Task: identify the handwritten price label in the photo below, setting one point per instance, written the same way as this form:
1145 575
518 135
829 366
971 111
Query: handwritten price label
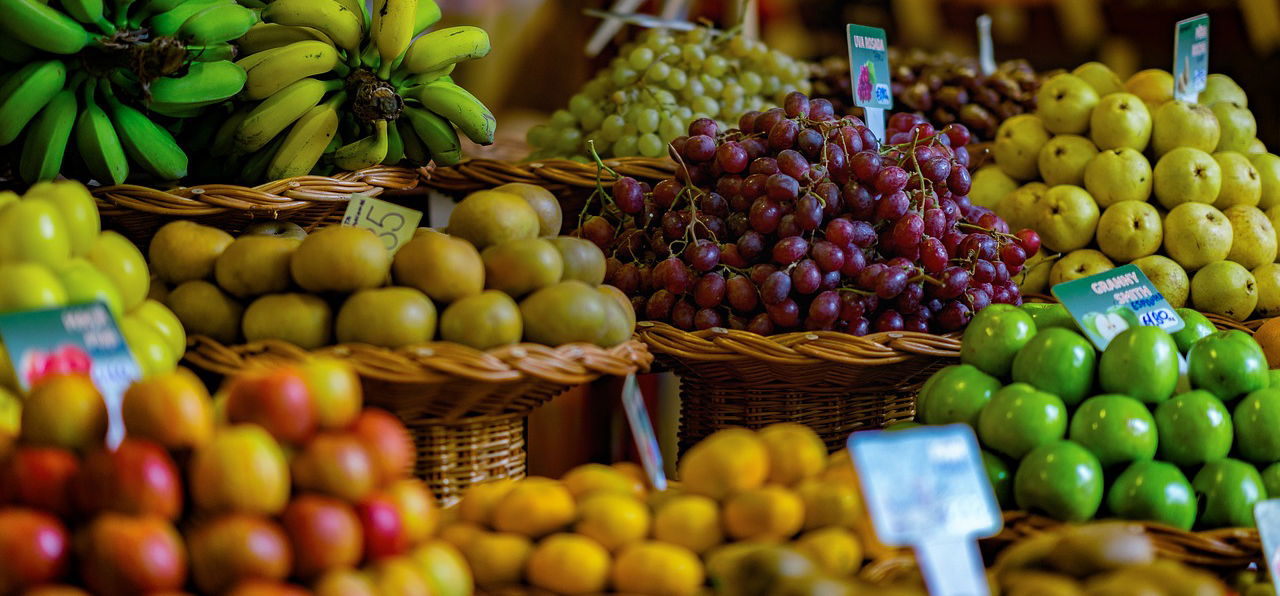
391 222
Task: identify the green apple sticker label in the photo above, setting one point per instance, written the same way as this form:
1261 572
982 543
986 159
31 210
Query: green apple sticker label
927 487
1106 304
394 224
1190 57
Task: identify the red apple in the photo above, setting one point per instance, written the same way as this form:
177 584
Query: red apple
41 477
335 388
126 554
417 508
388 442
335 464
384 531
138 478
33 548
235 547
325 534
258 587
241 468
277 399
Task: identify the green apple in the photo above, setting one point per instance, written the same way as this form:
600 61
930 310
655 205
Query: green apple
1020 418
1220 87
1268 279
1064 103
1253 238
994 336
1228 489
1001 478
1256 419
1120 120
1225 288
1169 278
85 284
121 261
1066 218
1194 428
1237 124
1058 361
1194 327
955 394
1078 264
1049 315
1270 478
1063 158
989 185
1061 479
1183 124
1115 175
1241 183
1153 491
1116 428
1017 146
1196 234
34 231
1142 362
1228 364
1130 230
1018 208
29 286
1100 77
1187 174
1268 166
78 209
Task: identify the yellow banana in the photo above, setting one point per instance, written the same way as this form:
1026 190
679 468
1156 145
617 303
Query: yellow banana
277 112
46 142
436 133
458 106
288 64
369 151
267 36
359 7
392 30
306 141
343 26
450 45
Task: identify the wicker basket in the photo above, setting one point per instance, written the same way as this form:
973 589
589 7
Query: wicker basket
557 175
465 408
834 382
309 201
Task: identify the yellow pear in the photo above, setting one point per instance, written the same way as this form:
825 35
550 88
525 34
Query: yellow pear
340 259
441 266
543 202
483 321
206 310
184 250
389 317
255 265
300 319
490 217
522 266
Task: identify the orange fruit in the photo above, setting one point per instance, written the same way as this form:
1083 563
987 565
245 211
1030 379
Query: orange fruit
1268 336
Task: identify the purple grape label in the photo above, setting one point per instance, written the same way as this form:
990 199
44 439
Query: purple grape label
868 57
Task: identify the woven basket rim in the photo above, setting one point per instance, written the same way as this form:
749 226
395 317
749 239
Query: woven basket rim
484 172
719 344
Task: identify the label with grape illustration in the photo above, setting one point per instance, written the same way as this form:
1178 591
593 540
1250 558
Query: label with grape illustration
869 66
1106 304
1190 57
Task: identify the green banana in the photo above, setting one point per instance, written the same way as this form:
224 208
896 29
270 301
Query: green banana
365 152
459 107
343 26
450 45
25 93
288 64
402 82
255 167
414 150
437 134
169 22
215 24
205 82
428 15
224 140
42 27
395 146
145 142
89 11
306 142
392 30
46 141
179 110
99 145
266 36
212 52
274 114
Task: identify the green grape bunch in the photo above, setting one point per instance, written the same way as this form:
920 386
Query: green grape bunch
659 84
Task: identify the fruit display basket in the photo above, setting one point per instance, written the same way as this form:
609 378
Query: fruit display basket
309 201
833 382
465 408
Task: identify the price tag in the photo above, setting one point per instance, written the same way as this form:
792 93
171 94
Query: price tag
926 488
75 339
869 67
1190 57
986 51
391 222
1106 304
1267 515
642 432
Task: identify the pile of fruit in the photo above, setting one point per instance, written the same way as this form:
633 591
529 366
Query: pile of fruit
945 88
283 477
658 85
764 512
1087 188
1075 434
799 219
278 282
53 254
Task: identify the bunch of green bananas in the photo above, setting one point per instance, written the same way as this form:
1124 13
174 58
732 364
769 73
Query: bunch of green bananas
333 85
104 80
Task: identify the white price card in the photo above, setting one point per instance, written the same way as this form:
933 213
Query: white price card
1267 515
394 224
642 432
926 488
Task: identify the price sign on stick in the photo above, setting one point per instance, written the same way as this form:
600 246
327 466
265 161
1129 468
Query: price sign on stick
1106 304
869 67
1267 515
394 224
986 52
926 488
75 339
642 432
1190 57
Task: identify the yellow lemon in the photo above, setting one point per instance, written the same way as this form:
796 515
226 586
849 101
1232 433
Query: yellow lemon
657 568
766 513
795 452
633 471
691 521
534 507
588 478
479 499
613 519
829 504
728 461
460 534
569 564
840 470
836 550
497 558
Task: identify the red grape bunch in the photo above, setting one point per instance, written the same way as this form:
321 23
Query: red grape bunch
800 219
